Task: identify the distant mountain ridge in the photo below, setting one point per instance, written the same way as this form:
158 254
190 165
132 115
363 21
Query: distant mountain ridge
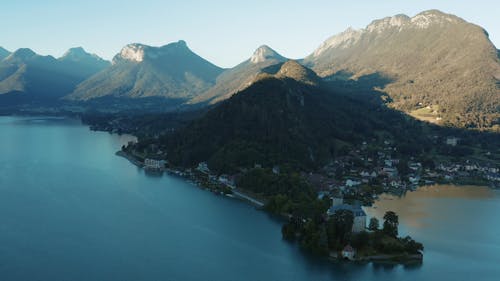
27 76
434 60
172 71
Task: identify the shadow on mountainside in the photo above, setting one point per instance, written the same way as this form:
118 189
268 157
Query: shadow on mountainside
366 88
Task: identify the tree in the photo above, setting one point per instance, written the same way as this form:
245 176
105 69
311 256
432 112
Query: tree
391 222
360 240
374 224
411 246
344 220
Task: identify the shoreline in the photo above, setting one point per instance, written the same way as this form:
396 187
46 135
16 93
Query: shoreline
235 192
403 259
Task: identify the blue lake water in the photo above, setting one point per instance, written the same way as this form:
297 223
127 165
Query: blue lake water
72 210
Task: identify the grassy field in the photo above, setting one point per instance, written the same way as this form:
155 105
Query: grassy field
429 114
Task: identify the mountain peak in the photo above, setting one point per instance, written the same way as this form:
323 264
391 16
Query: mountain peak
343 40
292 69
427 18
132 52
75 52
264 53
137 52
182 43
21 54
79 54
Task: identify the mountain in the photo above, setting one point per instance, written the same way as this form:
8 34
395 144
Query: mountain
26 76
438 66
284 118
85 64
3 53
140 71
239 77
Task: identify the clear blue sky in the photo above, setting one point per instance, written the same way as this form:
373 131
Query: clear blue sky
225 32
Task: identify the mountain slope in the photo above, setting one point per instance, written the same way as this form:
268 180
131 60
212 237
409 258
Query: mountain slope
3 53
26 76
82 64
239 77
279 119
434 60
138 71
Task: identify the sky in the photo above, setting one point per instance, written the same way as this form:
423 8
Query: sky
225 32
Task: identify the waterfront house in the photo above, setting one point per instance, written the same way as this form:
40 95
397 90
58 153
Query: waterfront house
154 164
227 180
349 253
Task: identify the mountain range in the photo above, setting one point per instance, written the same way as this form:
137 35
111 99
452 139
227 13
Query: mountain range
26 76
139 71
434 66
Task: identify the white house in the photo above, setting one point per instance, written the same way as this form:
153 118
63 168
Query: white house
351 183
349 253
154 164
203 167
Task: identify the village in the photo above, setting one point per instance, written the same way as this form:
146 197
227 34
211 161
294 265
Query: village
361 175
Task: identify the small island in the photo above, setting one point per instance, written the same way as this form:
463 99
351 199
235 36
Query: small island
342 236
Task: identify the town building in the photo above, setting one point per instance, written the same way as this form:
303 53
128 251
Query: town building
154 164
359 222
453 141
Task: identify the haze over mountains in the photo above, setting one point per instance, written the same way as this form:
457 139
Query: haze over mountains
434 66
26 76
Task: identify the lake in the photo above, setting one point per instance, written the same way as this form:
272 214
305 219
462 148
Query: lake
70 209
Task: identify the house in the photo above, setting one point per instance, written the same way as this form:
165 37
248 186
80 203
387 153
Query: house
227 180
351 183
154 164
337 201
276 170
493 177
390 172
349 253
453 141
365 174
414 179
203 167
359 222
